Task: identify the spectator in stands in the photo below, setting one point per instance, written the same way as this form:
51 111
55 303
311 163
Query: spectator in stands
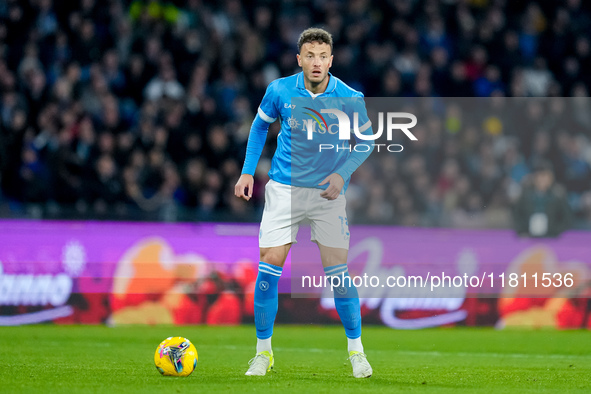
542 210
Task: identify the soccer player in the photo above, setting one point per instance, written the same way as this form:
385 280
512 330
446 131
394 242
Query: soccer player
319 191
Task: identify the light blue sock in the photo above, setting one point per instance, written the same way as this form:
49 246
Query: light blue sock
266 299
346 300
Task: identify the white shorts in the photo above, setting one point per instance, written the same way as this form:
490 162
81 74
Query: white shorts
287 206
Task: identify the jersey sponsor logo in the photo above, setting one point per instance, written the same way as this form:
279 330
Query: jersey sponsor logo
319 120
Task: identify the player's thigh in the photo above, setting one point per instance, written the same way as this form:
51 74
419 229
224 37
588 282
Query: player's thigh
329 224
279 225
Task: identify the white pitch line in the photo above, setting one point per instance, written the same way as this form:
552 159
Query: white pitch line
496 355
427 353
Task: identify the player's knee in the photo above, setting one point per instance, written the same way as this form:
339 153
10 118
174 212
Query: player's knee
274 256
333 256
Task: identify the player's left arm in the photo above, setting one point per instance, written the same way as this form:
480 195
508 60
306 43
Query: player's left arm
336 180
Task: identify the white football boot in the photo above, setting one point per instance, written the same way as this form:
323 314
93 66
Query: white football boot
361 368
260 364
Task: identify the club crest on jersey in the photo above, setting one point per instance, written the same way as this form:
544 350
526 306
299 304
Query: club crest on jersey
293 123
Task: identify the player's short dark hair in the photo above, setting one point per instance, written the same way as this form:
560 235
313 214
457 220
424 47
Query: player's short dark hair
315 34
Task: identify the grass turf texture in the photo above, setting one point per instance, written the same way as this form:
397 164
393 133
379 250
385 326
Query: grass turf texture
97 359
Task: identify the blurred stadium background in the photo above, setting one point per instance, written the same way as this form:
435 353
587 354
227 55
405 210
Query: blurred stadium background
118 116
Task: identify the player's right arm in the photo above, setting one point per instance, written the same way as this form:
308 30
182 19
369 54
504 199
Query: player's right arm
266 114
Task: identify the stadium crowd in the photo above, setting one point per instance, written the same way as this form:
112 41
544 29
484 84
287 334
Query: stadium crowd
141 109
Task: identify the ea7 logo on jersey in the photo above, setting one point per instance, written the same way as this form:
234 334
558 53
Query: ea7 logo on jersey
288 105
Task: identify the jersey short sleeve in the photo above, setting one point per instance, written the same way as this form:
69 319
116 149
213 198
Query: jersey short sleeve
268 110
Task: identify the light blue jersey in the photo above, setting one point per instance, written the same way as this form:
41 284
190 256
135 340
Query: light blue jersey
298 160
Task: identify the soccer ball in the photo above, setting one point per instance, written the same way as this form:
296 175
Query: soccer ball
175 356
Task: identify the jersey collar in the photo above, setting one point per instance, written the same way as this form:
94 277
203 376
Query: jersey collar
332 83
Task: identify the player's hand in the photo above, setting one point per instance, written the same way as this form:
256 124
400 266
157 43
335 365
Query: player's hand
335 185
243 188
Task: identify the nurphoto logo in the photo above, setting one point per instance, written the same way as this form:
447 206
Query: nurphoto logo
343 128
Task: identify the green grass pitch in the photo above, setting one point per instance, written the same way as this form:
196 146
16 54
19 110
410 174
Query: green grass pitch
98 359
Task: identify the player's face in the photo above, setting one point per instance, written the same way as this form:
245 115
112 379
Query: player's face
315 59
